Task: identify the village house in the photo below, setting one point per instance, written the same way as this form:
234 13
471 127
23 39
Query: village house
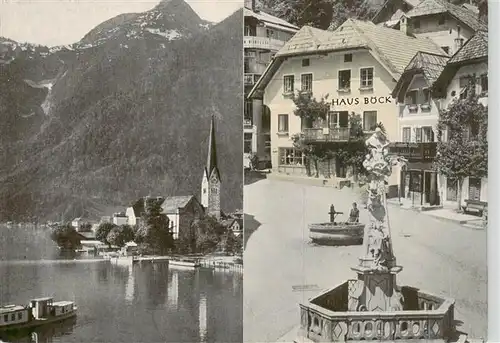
120 218
446 24
264 35
470 62
235 225
418 119
357 66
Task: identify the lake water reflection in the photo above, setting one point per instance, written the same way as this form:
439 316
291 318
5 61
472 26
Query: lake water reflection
140 303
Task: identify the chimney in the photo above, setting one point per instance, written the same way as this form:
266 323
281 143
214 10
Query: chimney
404 25
250 4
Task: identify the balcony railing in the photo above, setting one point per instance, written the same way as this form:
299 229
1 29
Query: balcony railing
326 134
415 152
264 43
251 79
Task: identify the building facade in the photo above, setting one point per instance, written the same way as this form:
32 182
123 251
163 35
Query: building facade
469 63
264 35
181 212
418 119
356 66
211 180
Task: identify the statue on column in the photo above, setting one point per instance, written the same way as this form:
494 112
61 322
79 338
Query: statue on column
379 165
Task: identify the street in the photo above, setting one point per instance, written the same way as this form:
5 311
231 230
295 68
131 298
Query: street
282 268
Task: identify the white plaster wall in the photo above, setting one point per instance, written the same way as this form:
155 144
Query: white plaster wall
174 220
204 190
129 212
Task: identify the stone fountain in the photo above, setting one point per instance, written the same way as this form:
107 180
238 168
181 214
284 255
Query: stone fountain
373 306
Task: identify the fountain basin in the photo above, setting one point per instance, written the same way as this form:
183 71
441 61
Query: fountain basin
337 233
425 317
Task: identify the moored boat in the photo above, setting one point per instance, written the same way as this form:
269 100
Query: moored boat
184 262
337 233
41 311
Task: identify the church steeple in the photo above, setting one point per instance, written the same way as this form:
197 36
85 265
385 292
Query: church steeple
212 166
211 182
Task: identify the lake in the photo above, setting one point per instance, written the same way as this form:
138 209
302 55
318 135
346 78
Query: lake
140 303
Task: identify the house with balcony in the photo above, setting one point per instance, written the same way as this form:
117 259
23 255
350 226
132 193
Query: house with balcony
470 63
446 24
357 66
418 119
264 35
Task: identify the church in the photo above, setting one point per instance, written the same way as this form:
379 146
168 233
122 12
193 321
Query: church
211 182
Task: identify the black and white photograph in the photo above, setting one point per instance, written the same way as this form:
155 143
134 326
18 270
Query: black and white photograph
121 173
366 175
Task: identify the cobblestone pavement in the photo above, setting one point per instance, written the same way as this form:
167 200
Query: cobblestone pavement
282 268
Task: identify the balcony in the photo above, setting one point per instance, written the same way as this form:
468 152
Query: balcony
414 152
263 43
251 79
338 134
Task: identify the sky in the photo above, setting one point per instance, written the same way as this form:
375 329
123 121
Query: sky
59 22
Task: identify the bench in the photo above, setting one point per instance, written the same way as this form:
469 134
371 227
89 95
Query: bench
475 205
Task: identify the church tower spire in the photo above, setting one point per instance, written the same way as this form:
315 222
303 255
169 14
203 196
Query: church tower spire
211 182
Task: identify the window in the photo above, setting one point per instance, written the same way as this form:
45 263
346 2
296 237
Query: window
442 20
291 157
348 58
416 23
19 315
247 143
248 31
418 135
269 33
248 113
6 318
369 120
283 123
446 49
13 316
426 96
337 119
344 79
406 135
474 188
464 87
427 134
411 97
305 62
366 75
484 83
288 81
306 81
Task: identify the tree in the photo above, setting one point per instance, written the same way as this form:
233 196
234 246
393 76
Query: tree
103 231
65 236
208 233
464 150
229 243
120 235
310 110
154 230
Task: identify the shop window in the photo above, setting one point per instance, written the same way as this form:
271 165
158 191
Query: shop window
291 157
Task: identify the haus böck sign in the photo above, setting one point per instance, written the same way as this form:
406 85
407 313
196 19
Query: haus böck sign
373 100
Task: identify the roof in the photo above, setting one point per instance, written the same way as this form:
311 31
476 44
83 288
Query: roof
172 204
88 235
353 34
11 308
131 244
212 166
462 14
476 47
267 18
377 16
42 299
473 51
429 65
62 303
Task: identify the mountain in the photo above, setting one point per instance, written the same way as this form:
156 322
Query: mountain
125 112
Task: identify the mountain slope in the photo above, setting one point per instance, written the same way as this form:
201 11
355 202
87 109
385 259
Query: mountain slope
129 115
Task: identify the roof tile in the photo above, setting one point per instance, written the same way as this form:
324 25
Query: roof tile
474 48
